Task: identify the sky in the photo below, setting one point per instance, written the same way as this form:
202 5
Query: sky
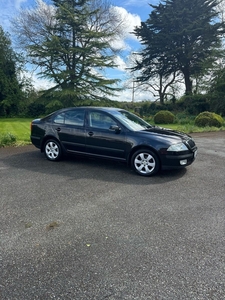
134 11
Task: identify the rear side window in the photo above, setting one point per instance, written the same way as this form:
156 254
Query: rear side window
59 119
71 117
74 117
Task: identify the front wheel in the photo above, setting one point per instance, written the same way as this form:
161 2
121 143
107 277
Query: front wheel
52 150
145 162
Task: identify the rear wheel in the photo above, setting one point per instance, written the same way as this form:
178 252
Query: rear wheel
52 150
145 162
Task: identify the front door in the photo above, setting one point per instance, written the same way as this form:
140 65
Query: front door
101 137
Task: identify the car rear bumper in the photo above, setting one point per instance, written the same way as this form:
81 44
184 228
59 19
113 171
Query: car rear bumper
36 141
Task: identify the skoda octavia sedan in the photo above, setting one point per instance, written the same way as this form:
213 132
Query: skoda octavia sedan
112 133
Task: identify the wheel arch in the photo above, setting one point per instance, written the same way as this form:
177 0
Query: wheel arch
49 137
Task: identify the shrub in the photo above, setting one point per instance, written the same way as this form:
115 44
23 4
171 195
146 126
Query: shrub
194 104
217 103
7 139
209 119
164 117
35 110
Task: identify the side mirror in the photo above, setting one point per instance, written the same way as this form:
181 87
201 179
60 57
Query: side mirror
115 128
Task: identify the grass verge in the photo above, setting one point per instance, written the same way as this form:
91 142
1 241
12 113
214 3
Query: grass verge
14 131
191 128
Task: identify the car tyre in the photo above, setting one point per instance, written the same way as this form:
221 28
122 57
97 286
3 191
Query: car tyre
145 162
52 150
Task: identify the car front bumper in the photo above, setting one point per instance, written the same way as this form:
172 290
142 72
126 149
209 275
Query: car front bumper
170 161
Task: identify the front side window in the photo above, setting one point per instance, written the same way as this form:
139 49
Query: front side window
100 120
131 121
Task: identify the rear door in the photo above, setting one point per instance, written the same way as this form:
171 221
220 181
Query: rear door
69 126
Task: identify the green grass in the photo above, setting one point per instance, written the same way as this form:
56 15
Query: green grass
190 128
186 124
18 127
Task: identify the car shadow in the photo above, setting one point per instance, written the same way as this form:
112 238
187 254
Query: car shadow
78 167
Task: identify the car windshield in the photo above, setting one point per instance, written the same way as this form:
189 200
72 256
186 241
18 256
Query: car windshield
131 121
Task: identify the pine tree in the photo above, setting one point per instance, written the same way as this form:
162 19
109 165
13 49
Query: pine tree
72 50
10 90
180 36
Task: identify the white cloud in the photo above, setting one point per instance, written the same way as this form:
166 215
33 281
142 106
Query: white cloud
135 2
41 83
121 65
38 83
8 11
130 21
139 3
127 96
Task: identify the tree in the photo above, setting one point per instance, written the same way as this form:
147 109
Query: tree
10 89
157 85
216 91
71 44
182 37
221 10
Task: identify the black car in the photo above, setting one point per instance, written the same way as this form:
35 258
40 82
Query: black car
112 133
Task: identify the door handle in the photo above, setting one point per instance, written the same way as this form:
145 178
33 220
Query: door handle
90 133
58 129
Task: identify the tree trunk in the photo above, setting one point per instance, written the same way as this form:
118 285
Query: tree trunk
161 94
161 98
188 82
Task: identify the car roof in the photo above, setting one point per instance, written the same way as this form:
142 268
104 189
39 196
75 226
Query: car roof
101 108
90 108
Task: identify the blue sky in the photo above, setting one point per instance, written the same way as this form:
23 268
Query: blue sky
134 11
9 8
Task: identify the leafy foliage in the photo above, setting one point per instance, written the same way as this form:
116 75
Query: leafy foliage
180 36
10 89
194 104
70 42
164 117
217 92
209 119
7 139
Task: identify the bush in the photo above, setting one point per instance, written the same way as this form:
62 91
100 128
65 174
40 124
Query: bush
194 104
164 117
183 118
35 110
217 103
7 139
209 119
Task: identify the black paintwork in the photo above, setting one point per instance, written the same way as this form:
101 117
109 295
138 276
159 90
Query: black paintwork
117 142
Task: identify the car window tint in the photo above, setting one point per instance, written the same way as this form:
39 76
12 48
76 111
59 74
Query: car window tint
74 117
60 118
100 120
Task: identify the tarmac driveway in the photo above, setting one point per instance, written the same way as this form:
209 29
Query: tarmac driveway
91 229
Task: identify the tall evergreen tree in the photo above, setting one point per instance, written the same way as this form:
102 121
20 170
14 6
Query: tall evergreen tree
72 50
10 90
182 36
216 91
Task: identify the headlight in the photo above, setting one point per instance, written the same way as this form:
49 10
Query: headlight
178 147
